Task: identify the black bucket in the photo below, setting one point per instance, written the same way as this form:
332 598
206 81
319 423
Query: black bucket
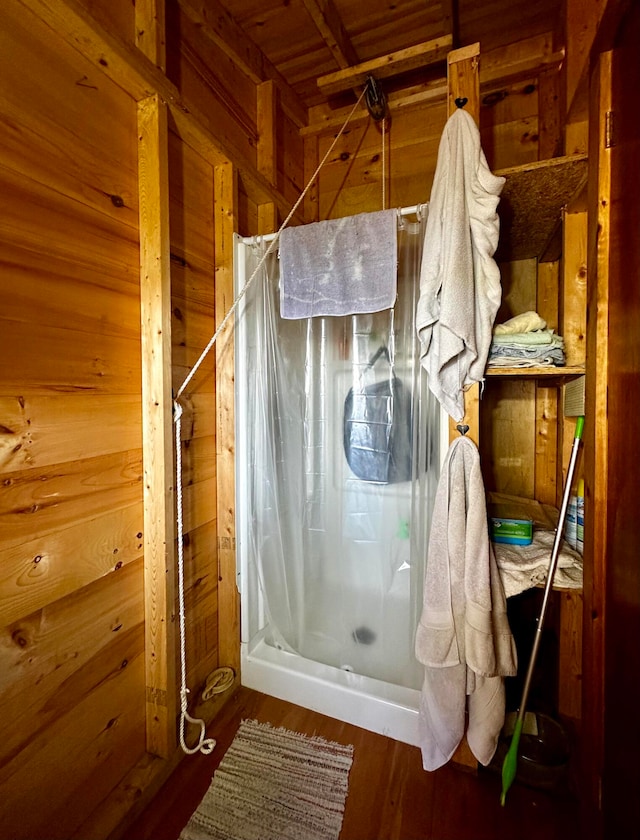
543 753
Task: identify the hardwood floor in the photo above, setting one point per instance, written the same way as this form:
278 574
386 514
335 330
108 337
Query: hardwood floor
390 795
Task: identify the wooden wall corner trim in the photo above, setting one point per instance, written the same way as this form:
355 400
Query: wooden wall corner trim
150 31
225 224
157 426
596 433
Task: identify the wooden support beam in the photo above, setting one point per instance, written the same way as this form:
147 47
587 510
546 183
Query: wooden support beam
411 58
597 521
547 402
570 655
573 324
225 222
328 23
157 426
463 80
582 19
471 416
267 219
311 160
450 22
592 28
267 114
550 134
150 31
498 68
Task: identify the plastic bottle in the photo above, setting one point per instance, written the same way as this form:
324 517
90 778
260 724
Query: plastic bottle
580 516
571 521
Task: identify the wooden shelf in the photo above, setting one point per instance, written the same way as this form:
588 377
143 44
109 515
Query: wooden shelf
531 206
536 372
544 517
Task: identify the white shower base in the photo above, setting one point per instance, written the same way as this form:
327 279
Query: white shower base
374 705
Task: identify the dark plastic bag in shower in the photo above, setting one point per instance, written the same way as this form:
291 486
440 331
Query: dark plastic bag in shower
377 429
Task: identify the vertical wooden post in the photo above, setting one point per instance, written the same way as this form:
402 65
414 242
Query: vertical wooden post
266 123
311 161
573 326
157 427
267 218
573 320
570 655
463 80
596 433
267 161
546 420
225 209
463 67
550 140
150 31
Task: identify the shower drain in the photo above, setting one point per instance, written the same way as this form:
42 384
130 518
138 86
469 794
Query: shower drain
364 635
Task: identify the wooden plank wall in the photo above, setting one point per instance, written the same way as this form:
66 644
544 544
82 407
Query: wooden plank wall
72 595
192 308
71 587
73 601
209 79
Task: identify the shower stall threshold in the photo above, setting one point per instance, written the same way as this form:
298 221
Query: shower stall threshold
374 705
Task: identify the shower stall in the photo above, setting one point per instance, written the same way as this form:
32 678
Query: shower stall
339 443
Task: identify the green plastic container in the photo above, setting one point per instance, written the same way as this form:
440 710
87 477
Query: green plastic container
512 531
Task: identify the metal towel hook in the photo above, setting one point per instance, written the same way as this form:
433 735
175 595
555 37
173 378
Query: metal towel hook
462 429
461 101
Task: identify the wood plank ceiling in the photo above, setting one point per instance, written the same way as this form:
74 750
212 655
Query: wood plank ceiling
305 40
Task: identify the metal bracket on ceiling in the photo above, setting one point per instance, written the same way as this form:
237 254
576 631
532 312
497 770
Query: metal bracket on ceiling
375 99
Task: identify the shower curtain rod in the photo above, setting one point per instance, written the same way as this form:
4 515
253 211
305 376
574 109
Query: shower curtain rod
269 237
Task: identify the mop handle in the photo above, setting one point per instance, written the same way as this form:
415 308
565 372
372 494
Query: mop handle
552 566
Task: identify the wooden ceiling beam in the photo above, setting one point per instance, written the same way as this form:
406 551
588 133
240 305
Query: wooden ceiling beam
520 60
450 20
401 61
498 68
328 23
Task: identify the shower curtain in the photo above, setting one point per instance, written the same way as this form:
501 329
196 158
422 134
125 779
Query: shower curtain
338 442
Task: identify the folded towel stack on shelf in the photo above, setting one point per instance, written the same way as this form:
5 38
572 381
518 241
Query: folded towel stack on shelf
525 566
525 341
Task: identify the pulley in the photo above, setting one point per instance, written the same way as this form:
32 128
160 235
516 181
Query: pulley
375 99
